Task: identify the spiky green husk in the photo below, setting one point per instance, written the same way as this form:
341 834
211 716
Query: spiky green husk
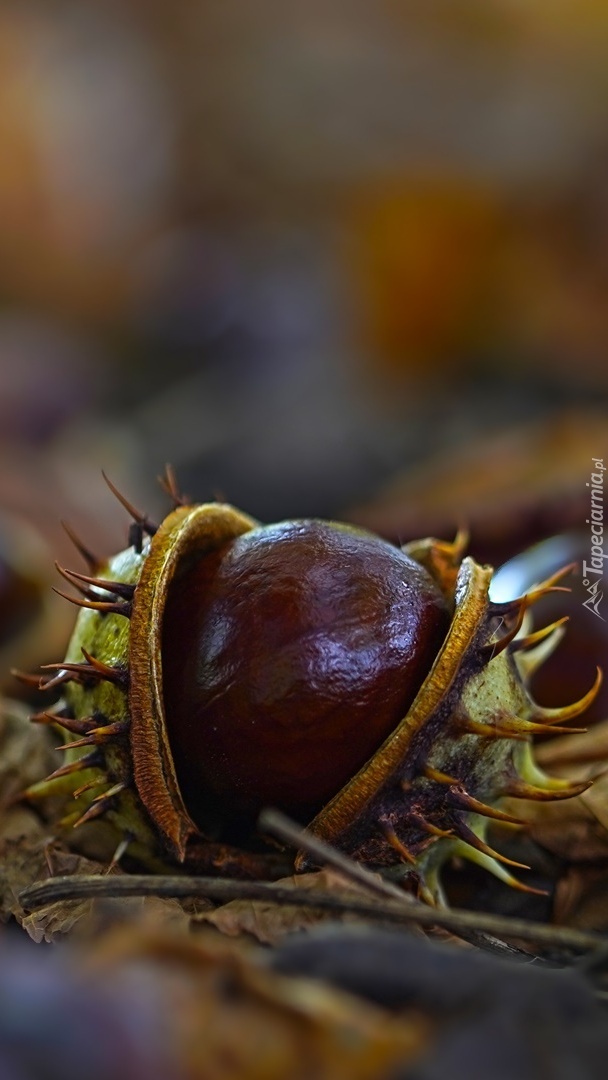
99 770
434 787
428 793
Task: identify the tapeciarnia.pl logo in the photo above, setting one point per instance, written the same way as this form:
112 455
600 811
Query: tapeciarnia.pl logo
593 571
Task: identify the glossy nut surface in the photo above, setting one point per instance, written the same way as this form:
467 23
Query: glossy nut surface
289 654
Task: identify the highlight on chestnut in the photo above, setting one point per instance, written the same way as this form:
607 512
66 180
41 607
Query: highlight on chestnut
374 693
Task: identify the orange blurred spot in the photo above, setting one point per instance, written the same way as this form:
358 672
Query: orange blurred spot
421 253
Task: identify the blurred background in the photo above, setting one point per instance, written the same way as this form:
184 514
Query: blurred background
327 258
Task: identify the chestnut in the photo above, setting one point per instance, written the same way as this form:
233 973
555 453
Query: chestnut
289 655
377 694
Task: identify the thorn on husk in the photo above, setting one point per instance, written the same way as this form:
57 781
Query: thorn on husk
32 679
77 726
550 584
116 588
470 837
103 802
136 537
50 682
92 668
438 776
67 574
87 740
427 826
91 560
110 731
95 810
120 852
396 843
490 864
168 483
530 660
141 520
461 800
513 727
87 761
538 635
98 736
106 671
568 712
104 607
112 792
88 786
494 648
509 607
520 789
490 731
47 717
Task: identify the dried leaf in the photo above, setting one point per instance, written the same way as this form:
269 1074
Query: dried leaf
31 859
20 821
268 923
26 754
581 897
35 858
591 747
90 919
51 922
574 829
519 486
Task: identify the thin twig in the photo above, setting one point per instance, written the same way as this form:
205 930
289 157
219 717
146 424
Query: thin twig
389 903
225 889
277 824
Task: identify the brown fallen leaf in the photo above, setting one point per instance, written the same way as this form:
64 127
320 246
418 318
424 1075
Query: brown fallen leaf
28 849
591 747
55 920
35 858
26 755
268 923
519 486
576 830
88 920
581 897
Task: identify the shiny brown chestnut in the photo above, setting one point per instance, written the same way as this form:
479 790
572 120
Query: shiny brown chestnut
289 655
376 694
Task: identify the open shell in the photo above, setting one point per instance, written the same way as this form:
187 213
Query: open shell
428 792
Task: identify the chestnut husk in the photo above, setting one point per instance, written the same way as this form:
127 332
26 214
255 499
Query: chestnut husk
426 794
